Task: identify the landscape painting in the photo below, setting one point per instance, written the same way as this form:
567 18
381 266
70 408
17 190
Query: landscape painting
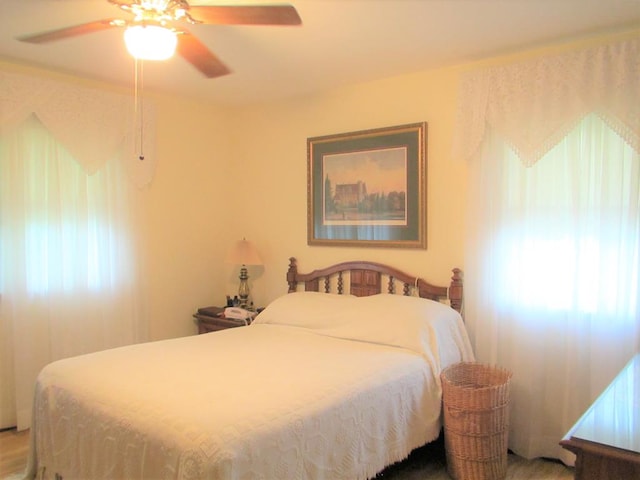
368 186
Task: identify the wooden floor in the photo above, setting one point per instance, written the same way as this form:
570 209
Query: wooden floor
424 463
14 447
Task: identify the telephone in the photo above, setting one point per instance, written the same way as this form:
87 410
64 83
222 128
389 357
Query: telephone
237 313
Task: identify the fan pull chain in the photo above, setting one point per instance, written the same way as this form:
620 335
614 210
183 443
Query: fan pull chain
139 102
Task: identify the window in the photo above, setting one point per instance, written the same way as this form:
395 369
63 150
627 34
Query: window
68 267
551 275
569 239
66 224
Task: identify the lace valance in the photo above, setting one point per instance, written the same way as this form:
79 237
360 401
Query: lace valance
534 104
93 125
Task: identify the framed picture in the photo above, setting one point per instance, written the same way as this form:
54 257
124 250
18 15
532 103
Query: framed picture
368 188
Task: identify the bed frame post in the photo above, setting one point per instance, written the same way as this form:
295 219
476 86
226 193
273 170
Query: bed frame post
455 290
292 273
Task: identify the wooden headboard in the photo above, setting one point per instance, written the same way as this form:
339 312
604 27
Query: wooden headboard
365 278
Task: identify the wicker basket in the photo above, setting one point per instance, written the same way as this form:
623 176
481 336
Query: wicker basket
476 420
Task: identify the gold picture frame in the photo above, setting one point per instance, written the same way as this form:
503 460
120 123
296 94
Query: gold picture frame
368 188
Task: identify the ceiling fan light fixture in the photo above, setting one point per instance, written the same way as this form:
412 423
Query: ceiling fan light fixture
150 42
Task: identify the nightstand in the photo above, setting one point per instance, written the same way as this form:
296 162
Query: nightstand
208 320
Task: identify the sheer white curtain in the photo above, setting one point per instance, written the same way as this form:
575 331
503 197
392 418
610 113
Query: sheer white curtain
69 279
552 275
551 264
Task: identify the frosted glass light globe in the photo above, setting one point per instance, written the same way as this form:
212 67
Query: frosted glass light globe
150 42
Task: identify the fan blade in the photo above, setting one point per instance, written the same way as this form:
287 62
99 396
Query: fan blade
246 14
198 55
74 31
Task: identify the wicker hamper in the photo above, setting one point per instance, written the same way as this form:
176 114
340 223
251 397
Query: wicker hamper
475 400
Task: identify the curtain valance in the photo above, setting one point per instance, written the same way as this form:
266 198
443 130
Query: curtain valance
534 104
93 125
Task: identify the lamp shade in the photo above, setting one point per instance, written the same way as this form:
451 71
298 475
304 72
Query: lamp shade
244 253
150 42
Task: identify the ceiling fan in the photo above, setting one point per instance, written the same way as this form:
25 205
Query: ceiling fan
168 15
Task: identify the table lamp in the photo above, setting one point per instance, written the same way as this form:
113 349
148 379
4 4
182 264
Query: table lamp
244 253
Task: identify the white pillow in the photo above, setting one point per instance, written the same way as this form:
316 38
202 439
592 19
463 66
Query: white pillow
313 310
429 328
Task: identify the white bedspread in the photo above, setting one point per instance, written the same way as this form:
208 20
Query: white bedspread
268 401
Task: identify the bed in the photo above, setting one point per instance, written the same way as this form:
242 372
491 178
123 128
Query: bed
336 379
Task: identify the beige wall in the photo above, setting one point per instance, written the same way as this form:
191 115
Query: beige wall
276 203
227 174
187 209
224 174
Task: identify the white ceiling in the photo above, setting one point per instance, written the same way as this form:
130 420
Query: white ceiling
339 42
